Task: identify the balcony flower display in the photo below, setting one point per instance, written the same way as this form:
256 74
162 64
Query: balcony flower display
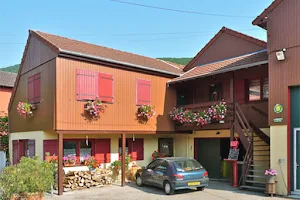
145 112
25 109
94 108
188 117
69 160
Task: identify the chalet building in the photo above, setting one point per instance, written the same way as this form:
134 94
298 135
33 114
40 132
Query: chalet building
7 81
281 20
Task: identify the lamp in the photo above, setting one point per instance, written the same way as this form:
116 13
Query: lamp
280 55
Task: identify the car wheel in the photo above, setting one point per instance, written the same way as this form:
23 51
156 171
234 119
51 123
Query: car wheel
139 181
200 188
168 188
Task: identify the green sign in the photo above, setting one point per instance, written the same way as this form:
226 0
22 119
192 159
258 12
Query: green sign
278 108
278 120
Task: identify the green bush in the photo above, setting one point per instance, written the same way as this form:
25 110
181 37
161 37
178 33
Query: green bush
31 175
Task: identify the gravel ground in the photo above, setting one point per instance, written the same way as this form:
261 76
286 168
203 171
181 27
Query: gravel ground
215 191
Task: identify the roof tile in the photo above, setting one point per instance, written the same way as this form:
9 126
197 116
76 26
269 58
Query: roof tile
7 79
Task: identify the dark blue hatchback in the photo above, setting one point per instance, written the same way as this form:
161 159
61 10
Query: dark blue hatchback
173 174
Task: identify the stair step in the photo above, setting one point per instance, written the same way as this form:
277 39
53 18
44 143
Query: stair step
261 150
252 187
255 182
255 176
257 170
261 145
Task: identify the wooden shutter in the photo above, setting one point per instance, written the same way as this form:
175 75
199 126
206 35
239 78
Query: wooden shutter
138 149
16 151
102 150
143 92
51 146
30 89
106 88
86 85
37 88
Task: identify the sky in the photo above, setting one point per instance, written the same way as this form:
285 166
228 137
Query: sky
141 30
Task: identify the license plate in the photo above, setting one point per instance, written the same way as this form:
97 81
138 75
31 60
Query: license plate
193 183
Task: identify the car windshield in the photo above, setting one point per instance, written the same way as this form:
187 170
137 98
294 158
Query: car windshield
187 165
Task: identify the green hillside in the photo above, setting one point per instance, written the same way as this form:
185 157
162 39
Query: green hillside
12 68
181 61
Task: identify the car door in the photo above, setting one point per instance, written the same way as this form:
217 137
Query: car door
161 173
148 174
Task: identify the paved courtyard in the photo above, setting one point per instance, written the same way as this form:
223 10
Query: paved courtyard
215 191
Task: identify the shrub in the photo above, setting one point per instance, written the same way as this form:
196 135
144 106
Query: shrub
29 176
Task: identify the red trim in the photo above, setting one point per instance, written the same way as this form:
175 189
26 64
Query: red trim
289 142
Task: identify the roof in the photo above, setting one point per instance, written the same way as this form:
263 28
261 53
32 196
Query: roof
228 31
82 49
7 79
260 20
232 64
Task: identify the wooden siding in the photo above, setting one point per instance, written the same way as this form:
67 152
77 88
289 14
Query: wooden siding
36 54
43 115
283 32
227 46
121 114
5 94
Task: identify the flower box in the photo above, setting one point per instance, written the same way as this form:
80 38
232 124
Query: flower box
144 113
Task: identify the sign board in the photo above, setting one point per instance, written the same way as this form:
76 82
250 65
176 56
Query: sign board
233 154
278 120
278 108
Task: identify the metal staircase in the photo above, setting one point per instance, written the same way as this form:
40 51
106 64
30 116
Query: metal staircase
257 157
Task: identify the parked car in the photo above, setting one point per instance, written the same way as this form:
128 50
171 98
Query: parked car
172 174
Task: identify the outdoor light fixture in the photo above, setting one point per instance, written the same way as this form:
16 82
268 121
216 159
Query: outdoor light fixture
280 55
217 133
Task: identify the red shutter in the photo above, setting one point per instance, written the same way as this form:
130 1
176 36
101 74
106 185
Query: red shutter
37 88
106 88
86 85
30 89
51 146
102 150
16 157
239 90
138 149
143 90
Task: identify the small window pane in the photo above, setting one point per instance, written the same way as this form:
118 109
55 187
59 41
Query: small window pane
254 90
70 148
85 150
266 88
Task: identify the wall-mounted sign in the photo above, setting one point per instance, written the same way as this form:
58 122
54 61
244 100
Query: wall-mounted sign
278 120
278 108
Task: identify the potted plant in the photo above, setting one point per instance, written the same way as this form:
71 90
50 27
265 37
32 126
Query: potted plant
270 175
51 159
94 108
156 155
90 161
144 113
25 109
69 160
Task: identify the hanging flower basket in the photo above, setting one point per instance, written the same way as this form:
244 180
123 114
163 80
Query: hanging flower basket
94 108
25 109
145 112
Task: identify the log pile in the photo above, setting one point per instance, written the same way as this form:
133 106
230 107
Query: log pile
86 179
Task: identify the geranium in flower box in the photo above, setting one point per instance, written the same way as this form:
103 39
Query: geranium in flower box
145 112
90 161
69 160
25 109
94 108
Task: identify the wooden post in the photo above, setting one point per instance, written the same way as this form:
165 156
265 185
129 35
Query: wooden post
60 164
233 107
123 158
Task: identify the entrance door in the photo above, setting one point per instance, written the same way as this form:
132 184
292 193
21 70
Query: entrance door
297 160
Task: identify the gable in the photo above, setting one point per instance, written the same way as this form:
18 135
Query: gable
226 44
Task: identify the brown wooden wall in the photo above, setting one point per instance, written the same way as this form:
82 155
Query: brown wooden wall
121 114
43 115
227 46
283 32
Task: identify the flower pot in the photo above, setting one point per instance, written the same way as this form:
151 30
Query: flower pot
69 164
270 179
51 158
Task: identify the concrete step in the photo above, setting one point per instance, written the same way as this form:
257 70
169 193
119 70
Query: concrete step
256 176
256 182
252 188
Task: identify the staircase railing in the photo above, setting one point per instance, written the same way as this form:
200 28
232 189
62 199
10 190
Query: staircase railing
245 132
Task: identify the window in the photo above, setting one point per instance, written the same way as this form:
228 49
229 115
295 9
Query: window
134 148
182 97
34 88
85 149
143 92
215 92
165 146
162 167
258 89
70 148
153 164
23 148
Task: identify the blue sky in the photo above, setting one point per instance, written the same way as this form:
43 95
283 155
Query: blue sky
145 31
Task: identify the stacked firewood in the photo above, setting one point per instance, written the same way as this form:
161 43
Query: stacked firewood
86 179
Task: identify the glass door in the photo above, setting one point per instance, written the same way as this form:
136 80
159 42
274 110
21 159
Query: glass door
296 148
